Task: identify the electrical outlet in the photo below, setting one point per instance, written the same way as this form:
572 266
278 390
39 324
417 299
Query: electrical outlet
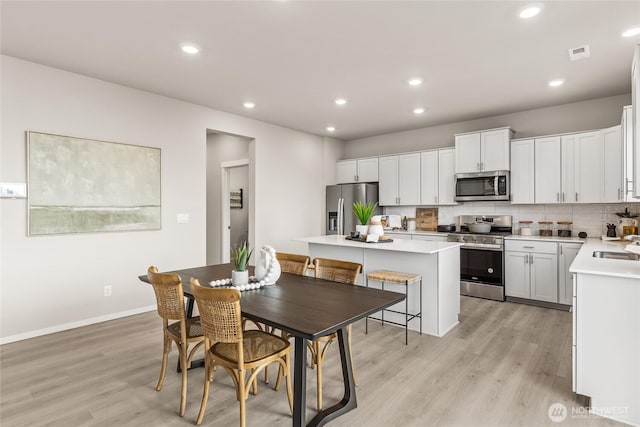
107 291
182 218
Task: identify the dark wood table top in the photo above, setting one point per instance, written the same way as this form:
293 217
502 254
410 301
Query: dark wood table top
303 306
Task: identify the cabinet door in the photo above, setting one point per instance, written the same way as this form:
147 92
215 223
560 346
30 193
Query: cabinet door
468 152
409 179
568 252
388 186
522 172
516 274
494 150
544 277
569 160
346 171
547 170
589 178
613 165
429 178
368 170
446 177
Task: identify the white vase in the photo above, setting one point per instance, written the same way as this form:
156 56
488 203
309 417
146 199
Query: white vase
267 267
362 229
239 278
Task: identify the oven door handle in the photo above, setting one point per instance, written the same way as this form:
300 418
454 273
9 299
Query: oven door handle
487 247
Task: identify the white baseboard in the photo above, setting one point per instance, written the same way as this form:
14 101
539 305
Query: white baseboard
73 325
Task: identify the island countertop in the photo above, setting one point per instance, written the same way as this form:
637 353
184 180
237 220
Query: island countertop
398 245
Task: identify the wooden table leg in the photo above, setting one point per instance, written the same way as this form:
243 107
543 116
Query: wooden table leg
299 381
348 401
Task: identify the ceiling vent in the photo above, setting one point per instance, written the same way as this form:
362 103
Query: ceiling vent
581 52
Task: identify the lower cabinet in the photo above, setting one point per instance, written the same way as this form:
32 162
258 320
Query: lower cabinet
531 270
568 252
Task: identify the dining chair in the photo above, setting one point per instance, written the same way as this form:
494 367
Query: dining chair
236 350
335 271
293 263
184 332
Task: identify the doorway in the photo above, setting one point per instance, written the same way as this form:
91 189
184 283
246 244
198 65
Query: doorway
228 169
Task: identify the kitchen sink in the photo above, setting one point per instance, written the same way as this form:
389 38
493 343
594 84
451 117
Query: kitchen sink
616 255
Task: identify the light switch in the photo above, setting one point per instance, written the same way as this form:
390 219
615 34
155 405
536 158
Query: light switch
182 218
13 190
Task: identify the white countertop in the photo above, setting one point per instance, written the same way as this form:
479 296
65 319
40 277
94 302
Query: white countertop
398 245
426 233
546 238
586 263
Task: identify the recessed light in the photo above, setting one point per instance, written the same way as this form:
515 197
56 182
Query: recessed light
416 81
340 101
530 11
331 128
249 104
189 48
418 110
556 82
631 32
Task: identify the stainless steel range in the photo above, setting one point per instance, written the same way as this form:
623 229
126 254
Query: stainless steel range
482 255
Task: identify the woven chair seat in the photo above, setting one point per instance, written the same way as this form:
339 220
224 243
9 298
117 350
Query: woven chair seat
194 329
393 276
257 345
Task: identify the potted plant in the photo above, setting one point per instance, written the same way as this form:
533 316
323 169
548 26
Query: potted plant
363 212
240 256
626 223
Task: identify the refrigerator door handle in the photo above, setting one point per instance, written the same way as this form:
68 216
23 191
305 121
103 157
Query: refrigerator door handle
340 219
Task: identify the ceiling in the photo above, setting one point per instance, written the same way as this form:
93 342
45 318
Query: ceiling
293 58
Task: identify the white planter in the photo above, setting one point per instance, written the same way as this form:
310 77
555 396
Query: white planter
239 278
362 229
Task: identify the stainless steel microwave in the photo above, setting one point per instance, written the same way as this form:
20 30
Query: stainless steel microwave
482 186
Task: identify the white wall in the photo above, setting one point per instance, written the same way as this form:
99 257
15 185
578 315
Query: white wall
56 282
586 115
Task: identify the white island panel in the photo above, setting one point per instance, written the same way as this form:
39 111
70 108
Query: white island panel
437 262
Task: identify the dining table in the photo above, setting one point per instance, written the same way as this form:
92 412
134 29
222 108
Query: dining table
307 308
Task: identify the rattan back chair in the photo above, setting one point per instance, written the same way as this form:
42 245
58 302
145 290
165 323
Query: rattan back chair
184 332
335 271
293 263
227 345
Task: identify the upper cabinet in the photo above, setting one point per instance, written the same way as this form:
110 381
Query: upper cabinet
522 172
399 180
360 170
437 177
635 119
547 168
614 179
483 151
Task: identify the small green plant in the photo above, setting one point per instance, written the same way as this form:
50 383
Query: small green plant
364 212
241 256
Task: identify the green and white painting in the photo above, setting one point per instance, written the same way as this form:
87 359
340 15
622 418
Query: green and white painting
82 186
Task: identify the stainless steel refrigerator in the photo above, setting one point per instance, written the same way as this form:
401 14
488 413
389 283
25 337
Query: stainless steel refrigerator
340 199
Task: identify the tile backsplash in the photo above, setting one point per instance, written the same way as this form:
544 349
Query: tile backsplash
590 218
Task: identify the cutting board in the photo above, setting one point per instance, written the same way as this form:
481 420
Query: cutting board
427 219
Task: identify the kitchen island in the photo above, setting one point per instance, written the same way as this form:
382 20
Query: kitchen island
606 325
437 262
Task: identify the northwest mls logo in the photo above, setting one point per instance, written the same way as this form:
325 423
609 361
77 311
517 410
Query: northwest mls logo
557 412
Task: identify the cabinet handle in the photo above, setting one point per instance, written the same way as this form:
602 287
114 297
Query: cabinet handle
481 165
436 199
478 165
531 259
526 259
576 196
528 247
355 177
563 196
618 194
558 196
560 249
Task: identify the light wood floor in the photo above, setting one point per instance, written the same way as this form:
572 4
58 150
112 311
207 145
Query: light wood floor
503 365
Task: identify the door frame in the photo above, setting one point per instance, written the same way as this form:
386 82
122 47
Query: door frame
225 209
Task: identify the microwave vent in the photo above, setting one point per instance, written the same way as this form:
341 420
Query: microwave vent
578 53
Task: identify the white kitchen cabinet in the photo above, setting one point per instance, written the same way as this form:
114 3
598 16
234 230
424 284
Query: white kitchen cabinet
399 178
357 170
589 177
548 184
626 124
635 118
568 252
437 177
483 151
522 172
447 176
613 172
394 236
531 270
429 177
